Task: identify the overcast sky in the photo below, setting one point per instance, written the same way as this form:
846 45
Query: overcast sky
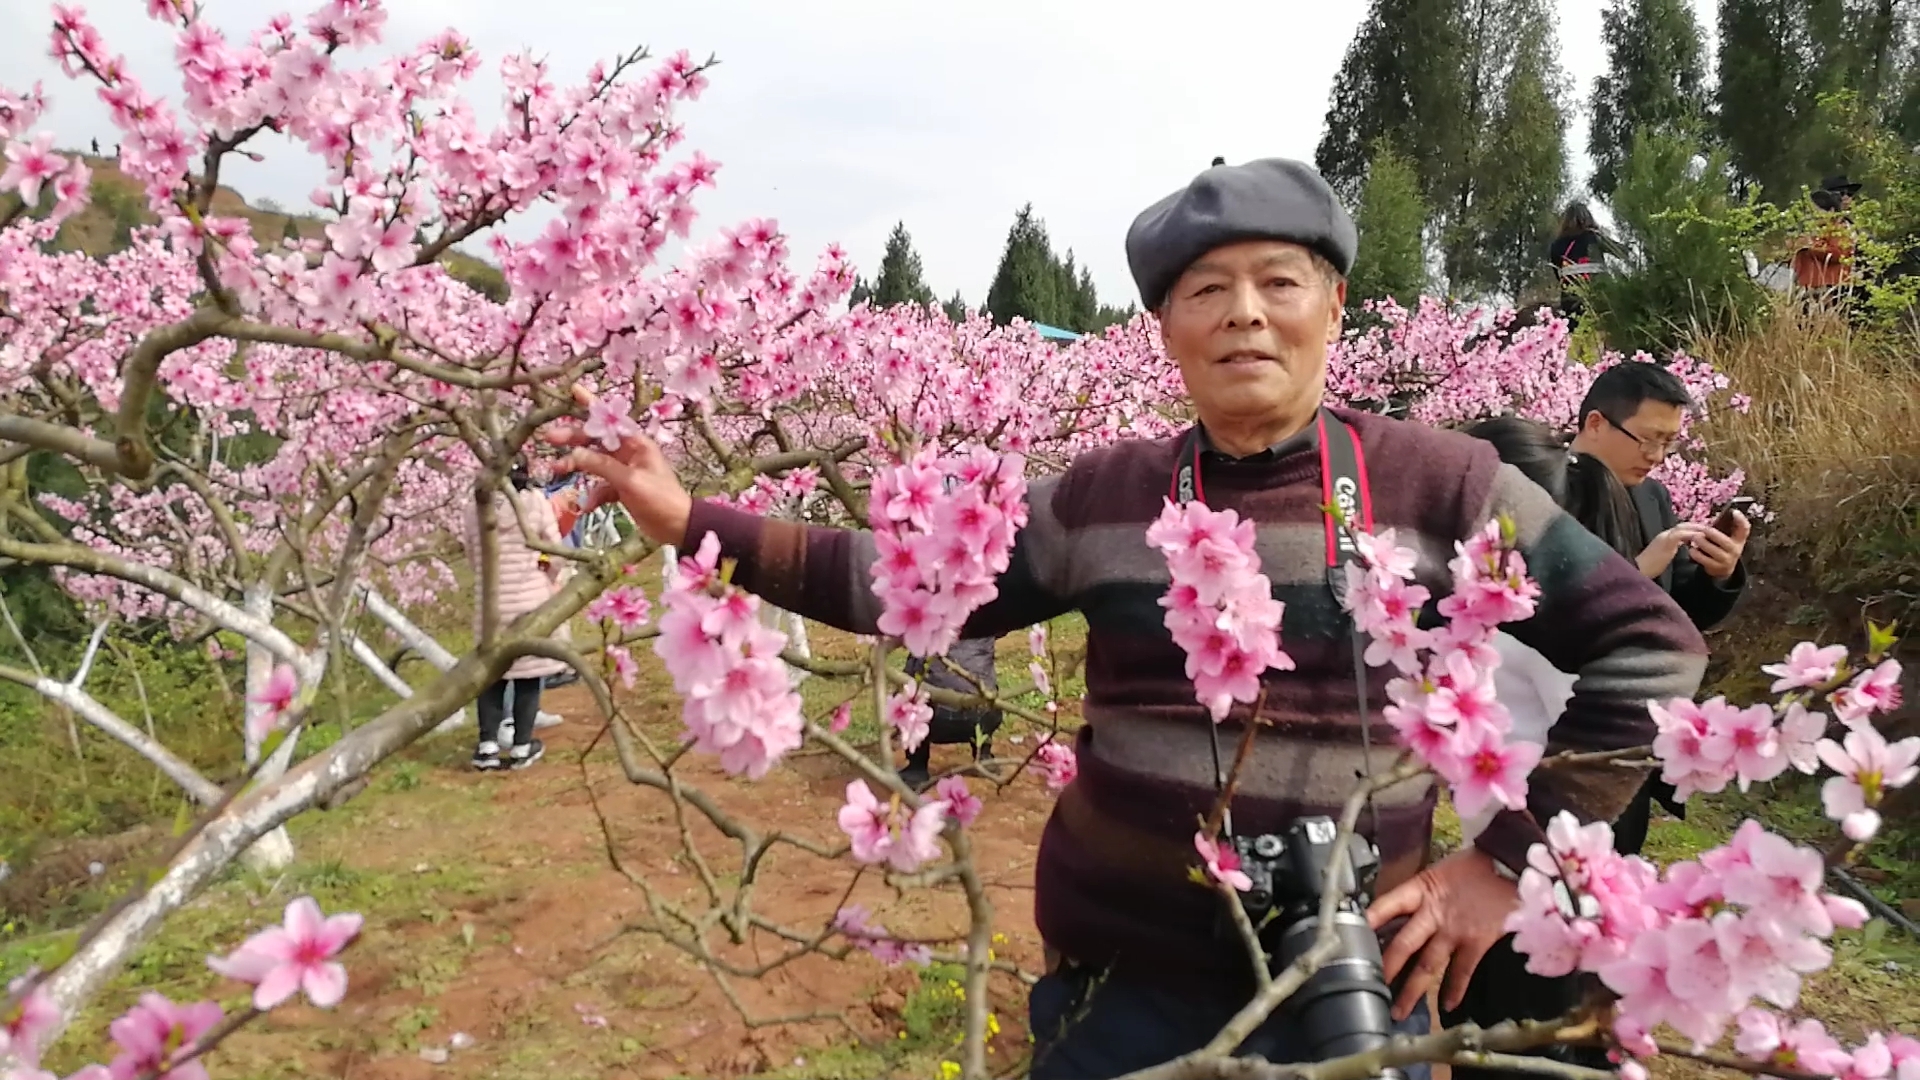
840 117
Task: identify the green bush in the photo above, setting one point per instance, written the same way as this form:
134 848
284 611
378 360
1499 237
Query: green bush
1686 240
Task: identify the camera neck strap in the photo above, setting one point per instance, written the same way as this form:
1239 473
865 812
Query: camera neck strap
1343 484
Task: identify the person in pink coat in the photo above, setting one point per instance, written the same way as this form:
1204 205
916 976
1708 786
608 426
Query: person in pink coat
527 578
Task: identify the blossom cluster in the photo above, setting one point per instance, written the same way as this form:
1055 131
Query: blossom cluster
726 665
944 527
1443 704
1055 763
1220 607
1691 947
1449 365
890 834
160 1037
1710 942
855 923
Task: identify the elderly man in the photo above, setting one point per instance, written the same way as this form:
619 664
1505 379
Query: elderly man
1245 268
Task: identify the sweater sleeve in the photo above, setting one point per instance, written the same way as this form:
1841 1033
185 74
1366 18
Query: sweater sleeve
826 574
1706 601
1612 627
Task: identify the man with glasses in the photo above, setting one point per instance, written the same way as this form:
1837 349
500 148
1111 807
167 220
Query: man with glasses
1630 420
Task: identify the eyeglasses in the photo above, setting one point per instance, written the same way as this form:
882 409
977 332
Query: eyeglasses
1657 449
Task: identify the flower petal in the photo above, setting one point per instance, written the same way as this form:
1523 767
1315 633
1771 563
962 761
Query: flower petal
325 984
278 985
338 930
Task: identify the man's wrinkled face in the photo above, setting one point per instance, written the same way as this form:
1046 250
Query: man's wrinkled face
1634 445
1249 325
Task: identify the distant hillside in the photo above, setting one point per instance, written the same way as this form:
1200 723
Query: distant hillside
119 207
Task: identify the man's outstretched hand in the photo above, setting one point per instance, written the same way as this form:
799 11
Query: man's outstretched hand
1457 908
637 475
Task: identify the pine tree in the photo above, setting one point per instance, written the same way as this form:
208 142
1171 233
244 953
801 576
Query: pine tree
1400 81
1392 221
955 308
1027 283
899 280
290 231
1763 73
1655 81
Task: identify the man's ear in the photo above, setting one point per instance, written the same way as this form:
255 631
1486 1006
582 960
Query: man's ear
1336 319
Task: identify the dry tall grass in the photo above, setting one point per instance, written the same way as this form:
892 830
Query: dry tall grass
1833 442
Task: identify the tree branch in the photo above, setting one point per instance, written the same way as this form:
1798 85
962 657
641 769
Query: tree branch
81 557
66 441
203 791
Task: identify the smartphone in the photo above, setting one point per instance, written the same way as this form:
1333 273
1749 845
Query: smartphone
1723 522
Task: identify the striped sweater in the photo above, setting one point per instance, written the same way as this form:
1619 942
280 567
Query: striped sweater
1111 881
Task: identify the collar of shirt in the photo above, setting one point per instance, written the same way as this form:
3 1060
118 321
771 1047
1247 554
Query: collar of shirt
1306 438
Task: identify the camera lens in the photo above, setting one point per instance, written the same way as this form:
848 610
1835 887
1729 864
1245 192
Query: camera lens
1345 1007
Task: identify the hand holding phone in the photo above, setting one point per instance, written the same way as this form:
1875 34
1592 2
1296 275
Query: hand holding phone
1723 522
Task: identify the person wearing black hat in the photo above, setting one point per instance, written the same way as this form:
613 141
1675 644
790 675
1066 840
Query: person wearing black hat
1245 268
1823 262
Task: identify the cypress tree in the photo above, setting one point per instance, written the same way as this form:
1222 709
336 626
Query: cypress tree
1519 196
1763 72
1400 81
899 280
1392 222
1027 282
1470 93
1655 82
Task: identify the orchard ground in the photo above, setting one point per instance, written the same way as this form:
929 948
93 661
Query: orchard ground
493 910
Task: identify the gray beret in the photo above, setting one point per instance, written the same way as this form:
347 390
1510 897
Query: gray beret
1269 199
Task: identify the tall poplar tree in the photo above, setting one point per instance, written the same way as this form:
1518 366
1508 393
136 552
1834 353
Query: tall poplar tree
1655 82
1470 92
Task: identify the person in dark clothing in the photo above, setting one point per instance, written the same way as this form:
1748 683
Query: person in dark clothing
1502 988
1245 268
1581 483
968 669
1577 252
1630 420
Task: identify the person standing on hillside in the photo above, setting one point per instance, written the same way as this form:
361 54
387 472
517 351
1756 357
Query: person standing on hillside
1245 268
1577 252
967 668
1630 420
524 580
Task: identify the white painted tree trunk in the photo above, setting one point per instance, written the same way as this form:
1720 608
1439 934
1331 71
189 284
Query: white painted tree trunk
274 852
413 638
199 788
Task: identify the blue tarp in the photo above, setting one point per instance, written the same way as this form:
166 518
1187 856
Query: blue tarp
1055 332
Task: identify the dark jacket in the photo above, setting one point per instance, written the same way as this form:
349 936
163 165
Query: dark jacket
1706 601
974 656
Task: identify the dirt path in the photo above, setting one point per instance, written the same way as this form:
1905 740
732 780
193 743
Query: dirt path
546 984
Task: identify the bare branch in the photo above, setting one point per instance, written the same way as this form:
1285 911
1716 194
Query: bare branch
92 561
60 439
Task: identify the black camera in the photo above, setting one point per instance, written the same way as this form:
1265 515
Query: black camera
1345 1007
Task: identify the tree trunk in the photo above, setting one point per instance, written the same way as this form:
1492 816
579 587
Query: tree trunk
198 788
249 821
275 851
